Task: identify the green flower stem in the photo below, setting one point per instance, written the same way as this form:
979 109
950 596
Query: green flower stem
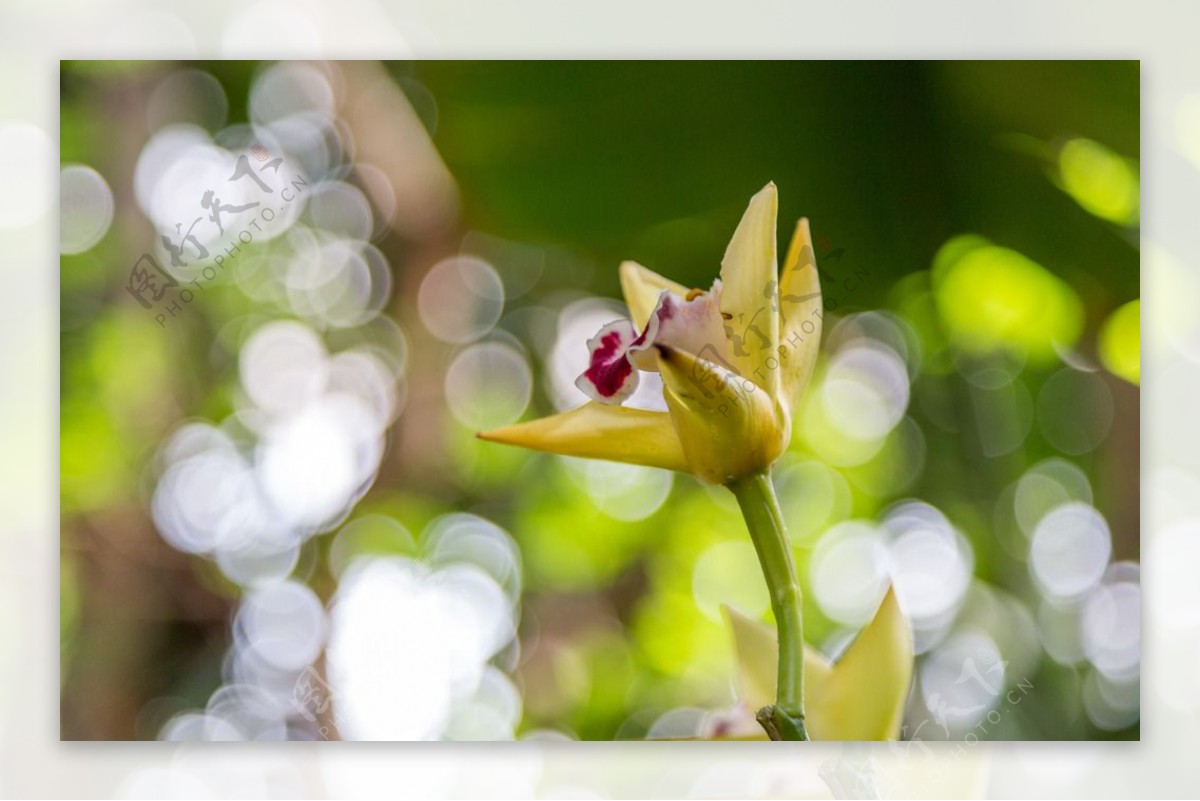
756 496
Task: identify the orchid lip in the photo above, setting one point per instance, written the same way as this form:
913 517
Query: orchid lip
610 376
692 323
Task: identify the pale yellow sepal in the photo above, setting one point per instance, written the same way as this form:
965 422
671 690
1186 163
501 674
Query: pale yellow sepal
757 648
597 431
727 425
800 314
749 291
641 288
860 697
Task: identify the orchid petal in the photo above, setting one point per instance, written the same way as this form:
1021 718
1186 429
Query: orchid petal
596 431
727 425
800 313
861 696
610 378
867 690
642 288
757 649
692 325
750 297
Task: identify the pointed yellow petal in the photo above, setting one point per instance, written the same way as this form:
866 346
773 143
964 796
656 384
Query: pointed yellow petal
749 291
597 431
865 694
757 650
800 313
860 697
726 423
641 288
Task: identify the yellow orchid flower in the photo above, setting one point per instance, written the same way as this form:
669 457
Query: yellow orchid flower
734 361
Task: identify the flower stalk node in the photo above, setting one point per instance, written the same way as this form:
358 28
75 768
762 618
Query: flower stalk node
779 725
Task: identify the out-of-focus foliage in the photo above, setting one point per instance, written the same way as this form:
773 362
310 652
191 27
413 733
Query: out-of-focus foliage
275 498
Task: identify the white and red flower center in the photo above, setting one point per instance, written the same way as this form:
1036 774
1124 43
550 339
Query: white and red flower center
617 352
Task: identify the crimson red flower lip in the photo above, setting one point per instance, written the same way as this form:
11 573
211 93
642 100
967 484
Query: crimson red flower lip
617 352
610 376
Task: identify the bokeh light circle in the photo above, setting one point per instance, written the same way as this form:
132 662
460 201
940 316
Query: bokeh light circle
1075 410
488 385
1111 625
865 391
1069 551
961 680
340 209
931 563
1045 486
283 624
314 464
187 96
461 538
335 282
849 571
460 299
1111 705
624 492
1058 631
728 573
812 496
289 88
86 209
283 365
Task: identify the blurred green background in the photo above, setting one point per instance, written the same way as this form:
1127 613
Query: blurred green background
973 430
